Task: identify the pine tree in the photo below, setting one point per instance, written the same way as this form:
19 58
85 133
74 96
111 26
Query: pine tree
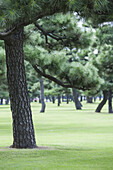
103 60
58 61
14 16
94 11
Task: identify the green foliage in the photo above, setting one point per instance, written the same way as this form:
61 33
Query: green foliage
14 12
103 60
56 61
95 11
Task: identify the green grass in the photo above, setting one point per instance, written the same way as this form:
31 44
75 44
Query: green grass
78 140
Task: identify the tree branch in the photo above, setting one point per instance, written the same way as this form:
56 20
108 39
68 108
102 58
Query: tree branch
56 37
59 82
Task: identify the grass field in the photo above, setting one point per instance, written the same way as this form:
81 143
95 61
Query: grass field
76 140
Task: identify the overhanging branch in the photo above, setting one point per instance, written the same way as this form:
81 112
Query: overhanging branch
54 79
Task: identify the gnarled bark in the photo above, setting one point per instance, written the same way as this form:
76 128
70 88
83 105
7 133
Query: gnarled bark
23 130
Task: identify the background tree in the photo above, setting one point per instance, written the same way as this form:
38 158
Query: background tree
103 60
74 74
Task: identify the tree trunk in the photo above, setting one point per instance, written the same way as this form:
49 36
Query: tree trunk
84 97
53 99
1 101
67 97
95 99
81 99
42 95
59 100
103 102
100 97
78 105
23 130
89 99
110 101
7 101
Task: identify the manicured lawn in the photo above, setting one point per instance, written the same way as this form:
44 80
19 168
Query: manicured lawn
76 140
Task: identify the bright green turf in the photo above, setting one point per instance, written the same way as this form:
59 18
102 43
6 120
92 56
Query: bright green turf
81 140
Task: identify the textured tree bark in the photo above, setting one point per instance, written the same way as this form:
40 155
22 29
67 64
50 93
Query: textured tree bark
42 95
23 130
110 101
103 102
78 105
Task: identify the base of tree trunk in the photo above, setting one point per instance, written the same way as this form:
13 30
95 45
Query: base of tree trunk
28 147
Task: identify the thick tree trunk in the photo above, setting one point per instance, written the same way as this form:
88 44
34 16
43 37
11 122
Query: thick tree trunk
110 101
103 102
78 105
23 130
42 95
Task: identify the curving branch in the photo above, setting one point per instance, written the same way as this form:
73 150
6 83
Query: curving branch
54 79
56 37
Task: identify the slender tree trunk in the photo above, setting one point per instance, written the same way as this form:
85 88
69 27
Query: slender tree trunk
100 97
42 95
1 101
78 105
110 101
53 99
81 99
59 100
23 130
89 99
84 97
95 99
67 97
103 102
7 101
